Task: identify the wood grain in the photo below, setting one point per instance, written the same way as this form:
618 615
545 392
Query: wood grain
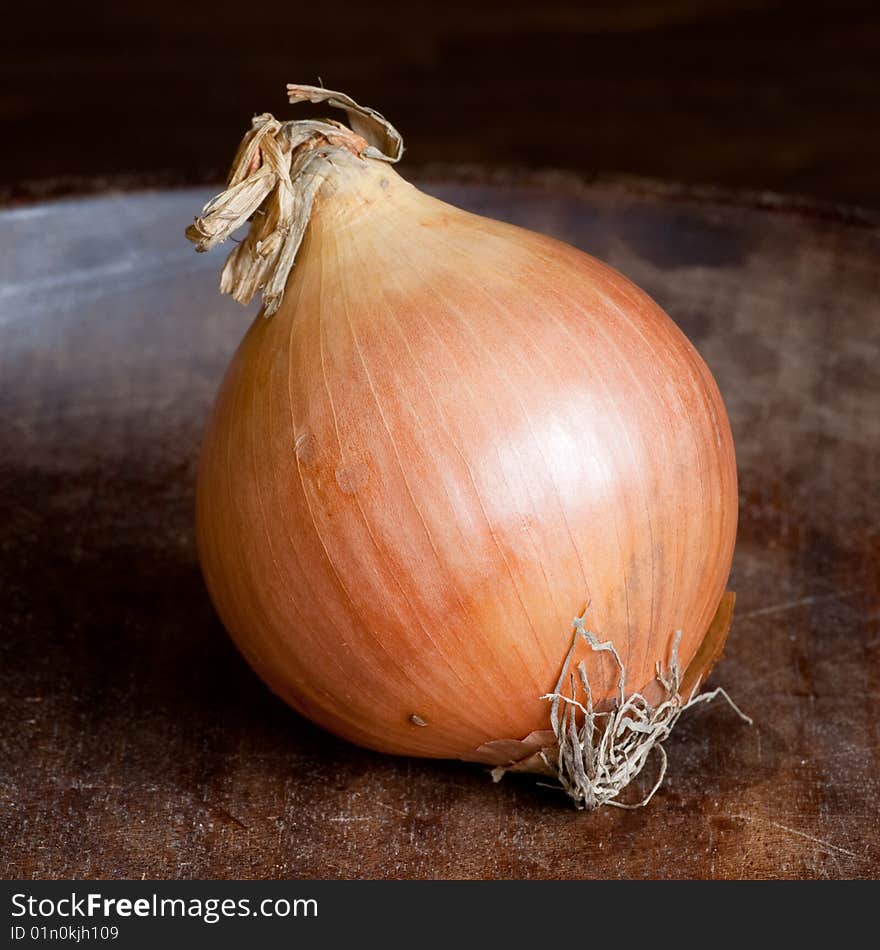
765 94
134 741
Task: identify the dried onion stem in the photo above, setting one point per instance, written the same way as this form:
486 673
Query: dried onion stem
276 173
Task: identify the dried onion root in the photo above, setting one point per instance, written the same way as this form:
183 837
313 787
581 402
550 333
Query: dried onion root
598 754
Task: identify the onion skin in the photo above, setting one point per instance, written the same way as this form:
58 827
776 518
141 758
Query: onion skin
452 437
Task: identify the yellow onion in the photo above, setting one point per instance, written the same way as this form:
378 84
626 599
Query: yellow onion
451 437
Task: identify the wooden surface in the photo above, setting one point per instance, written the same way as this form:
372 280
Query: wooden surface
770 94
135 742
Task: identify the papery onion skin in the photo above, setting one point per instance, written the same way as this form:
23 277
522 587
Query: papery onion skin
453 436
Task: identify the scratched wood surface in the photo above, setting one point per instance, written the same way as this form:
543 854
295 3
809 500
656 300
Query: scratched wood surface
135 742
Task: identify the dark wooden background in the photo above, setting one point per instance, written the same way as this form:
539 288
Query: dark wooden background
134 741
763 94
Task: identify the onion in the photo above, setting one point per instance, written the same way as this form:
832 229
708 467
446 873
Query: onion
452 437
